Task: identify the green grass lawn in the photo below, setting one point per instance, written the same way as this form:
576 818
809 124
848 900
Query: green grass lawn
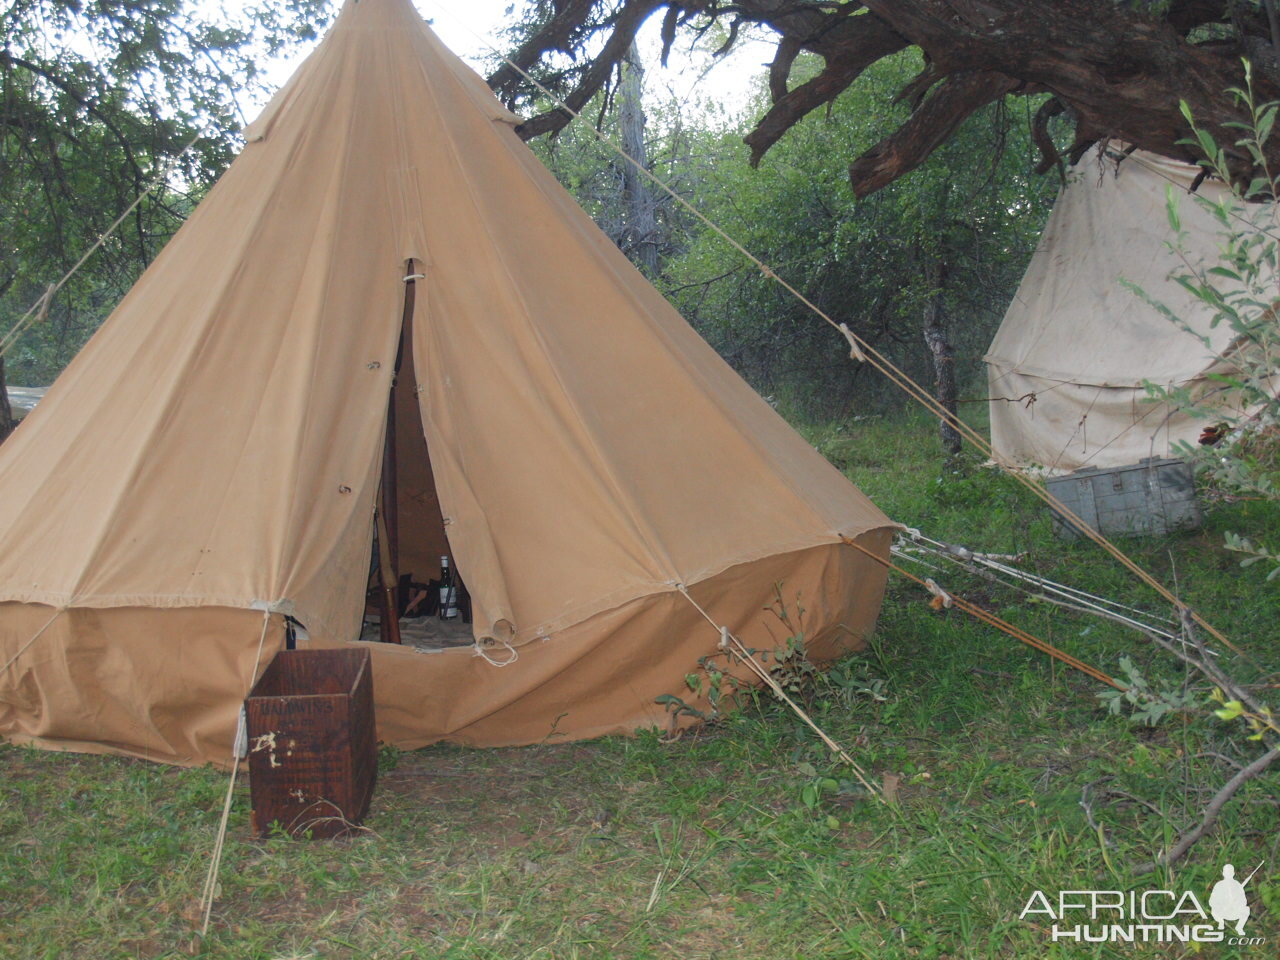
731 842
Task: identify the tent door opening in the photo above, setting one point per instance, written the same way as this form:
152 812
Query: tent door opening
409 537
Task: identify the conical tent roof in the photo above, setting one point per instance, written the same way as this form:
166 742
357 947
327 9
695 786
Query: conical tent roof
1068 365
209 463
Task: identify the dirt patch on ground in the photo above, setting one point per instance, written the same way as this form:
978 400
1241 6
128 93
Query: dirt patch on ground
497 793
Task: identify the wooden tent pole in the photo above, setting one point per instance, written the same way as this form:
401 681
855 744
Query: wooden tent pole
388 508
388 611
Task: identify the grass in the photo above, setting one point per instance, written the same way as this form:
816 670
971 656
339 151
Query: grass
729 843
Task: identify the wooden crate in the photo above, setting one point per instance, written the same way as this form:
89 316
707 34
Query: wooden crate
312 749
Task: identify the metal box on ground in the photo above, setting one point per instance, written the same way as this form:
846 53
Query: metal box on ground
312 748
1154 496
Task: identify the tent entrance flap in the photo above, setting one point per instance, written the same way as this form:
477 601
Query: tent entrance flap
409 514
386 516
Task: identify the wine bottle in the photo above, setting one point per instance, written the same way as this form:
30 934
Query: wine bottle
448 609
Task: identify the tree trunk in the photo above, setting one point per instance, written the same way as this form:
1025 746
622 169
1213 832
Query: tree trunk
6 412
944 361
641 233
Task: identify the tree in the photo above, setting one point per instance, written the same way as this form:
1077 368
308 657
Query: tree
1116 68
642 219
923 270
96 100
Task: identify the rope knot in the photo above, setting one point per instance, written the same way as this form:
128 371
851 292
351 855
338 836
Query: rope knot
855 345
941 599
494 642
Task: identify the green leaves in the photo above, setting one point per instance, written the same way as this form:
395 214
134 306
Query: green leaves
1171 200
96 99
1229 710
1150 702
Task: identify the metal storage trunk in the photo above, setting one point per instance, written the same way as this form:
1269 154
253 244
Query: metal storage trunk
312 751
1154 496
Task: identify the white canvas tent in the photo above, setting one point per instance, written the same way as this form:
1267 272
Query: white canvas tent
210 463
1066 368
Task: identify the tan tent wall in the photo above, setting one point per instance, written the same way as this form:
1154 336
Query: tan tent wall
161 684
215 450
166 685
1067 366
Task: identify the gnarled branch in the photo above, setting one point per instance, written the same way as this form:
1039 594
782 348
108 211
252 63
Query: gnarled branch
932 123
1119 69
628 23
875 40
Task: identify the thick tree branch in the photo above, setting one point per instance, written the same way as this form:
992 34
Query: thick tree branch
780 70
1121 73
615 49
875 40
1117 68
931 124
556 34
1049 156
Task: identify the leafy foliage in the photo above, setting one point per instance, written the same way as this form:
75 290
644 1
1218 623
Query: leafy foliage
1240 454
972 212
95 99
1150 703
970 215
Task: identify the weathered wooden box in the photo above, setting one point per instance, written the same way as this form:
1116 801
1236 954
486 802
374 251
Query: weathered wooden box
312 748
1154 496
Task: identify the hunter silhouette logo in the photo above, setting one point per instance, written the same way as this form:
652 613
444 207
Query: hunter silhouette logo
1146 916
1228 902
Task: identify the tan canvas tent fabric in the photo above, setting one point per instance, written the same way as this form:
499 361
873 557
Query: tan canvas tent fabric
209 463
1067 366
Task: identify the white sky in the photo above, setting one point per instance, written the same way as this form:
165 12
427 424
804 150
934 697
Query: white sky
471 29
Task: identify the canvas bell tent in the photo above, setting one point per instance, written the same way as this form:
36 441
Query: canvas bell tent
211 462
1066 368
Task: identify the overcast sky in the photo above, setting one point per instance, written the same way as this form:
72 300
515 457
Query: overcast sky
471 29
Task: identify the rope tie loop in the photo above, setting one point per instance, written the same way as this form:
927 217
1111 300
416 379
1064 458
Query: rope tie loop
855 345
44 303
941 599
484 642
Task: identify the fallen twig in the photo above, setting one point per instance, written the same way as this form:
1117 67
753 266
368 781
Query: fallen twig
1211 811
1086 804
